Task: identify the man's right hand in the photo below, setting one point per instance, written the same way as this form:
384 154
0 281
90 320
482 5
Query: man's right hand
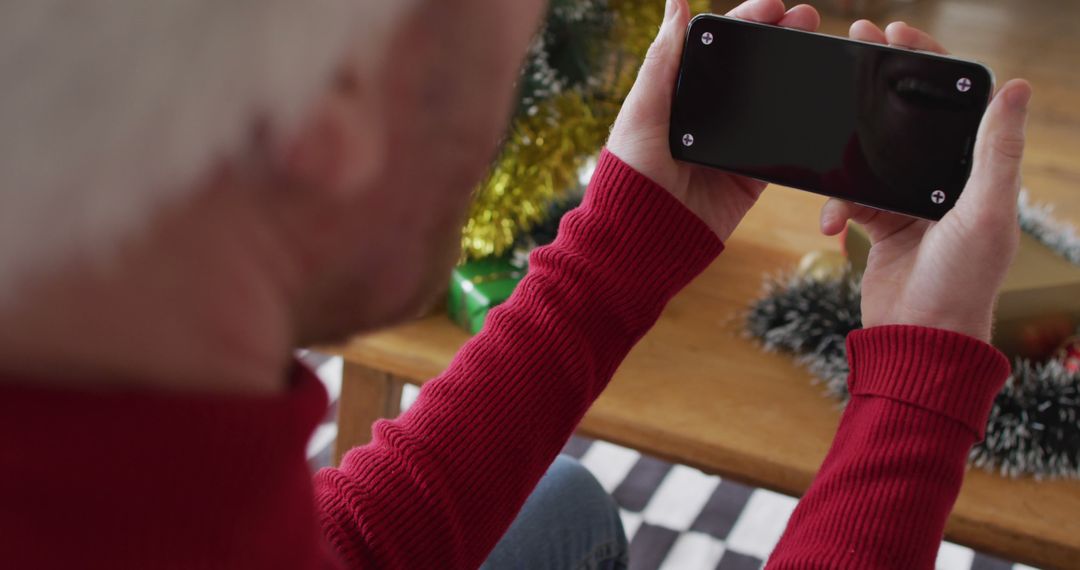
640 134
945 274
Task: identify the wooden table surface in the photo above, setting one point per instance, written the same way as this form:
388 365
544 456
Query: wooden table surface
696 391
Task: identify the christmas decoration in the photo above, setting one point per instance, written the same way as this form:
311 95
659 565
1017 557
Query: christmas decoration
1037 220
1069 355
1040 338
1034 425
578 71
810 318
545 231
822 264
478 286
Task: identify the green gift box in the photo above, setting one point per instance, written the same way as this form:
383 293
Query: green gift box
477 286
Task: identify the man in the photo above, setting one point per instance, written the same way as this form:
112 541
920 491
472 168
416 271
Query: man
193 189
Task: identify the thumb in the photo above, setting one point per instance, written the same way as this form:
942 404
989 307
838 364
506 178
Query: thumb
652 89
999 148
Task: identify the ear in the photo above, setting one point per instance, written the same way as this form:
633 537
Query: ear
339 145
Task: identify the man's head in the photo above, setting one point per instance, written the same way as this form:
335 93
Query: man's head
358 129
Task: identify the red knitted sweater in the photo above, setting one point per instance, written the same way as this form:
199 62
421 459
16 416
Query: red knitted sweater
152 480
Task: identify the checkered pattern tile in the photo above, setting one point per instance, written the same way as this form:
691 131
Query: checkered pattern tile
676 517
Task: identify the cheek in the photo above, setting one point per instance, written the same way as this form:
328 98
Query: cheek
412 245
437 250
448 90
450 80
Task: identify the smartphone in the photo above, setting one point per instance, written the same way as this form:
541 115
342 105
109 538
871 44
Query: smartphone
889 128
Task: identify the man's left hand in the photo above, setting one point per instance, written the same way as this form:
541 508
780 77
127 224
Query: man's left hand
640 134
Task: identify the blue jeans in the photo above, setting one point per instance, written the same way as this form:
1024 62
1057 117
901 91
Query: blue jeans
568 523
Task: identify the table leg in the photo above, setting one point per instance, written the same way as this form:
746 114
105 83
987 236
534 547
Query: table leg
366 395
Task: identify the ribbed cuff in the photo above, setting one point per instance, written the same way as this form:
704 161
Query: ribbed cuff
943 371
632 226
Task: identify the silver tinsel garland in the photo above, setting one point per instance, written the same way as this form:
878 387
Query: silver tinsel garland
1034 425
1038 221
810 318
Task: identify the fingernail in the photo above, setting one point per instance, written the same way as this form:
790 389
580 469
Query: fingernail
1018 97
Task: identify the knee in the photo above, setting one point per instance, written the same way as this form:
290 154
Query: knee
569 521
571 474
573 484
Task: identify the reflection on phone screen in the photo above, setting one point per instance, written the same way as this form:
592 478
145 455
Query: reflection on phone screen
884 127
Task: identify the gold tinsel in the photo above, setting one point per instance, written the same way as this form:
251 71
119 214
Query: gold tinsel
548 144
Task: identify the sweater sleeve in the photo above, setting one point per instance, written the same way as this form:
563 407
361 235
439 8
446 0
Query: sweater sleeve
438 486
919 400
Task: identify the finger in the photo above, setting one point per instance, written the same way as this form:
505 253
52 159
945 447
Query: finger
801 17
834 216
663 54
764 11
902 35
999 147
867 31
879 224
836 213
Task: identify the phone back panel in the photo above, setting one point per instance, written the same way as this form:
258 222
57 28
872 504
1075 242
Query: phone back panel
886 127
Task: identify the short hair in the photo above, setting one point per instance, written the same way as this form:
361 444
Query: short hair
111 109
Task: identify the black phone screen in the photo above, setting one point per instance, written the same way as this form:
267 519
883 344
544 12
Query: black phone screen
886 127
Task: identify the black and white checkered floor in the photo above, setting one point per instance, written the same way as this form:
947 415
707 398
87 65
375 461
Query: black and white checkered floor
676 517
